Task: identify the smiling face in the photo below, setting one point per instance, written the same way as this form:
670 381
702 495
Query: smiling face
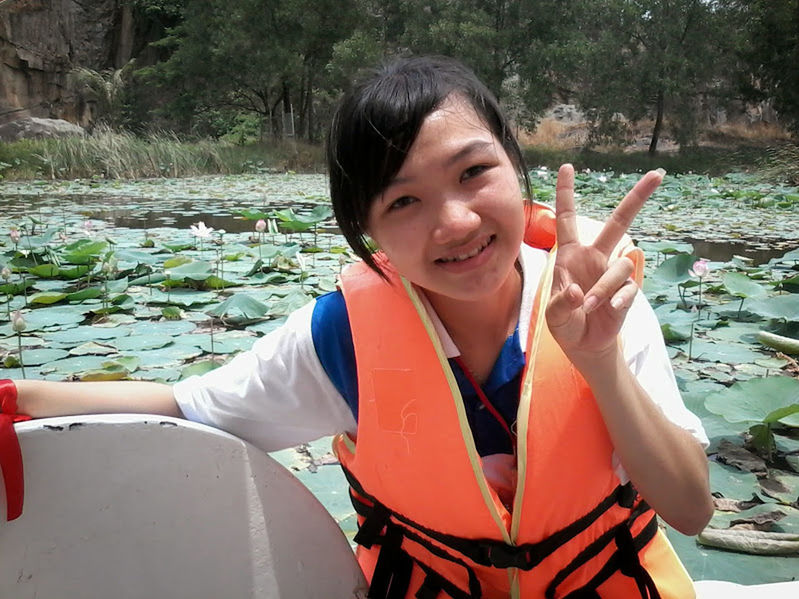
452 219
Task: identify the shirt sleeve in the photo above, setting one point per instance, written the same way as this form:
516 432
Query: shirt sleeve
276 395
646 355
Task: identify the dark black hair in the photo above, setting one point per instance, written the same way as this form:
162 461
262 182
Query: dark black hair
377 122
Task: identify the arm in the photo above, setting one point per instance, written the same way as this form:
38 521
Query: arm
40 399
589 302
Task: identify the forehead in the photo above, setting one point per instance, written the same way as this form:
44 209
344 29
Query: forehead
448 129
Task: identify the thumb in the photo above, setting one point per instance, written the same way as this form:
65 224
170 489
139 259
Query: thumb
562 304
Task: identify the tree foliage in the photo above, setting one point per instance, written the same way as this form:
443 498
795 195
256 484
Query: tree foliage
664 60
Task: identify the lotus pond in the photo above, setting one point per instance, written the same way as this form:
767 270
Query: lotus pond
118 280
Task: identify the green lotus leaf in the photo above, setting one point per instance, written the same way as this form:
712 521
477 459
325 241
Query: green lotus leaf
137 257
294 300
197 271
178 247
173 355
141 342
37 357
16 288
783 487
742 286
92 348
158 375
174 328
199 368
731 482
55 316
115 372
148 279
45 271
180 297
84 294
766 399
729 353
779 307
46 298
222 344
176 261
73 273
267 326
675 269
78 335
117 286
171 313
71 365
241 305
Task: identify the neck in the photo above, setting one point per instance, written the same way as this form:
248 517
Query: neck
479 328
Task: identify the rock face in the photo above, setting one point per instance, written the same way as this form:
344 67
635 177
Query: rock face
32 127
42 40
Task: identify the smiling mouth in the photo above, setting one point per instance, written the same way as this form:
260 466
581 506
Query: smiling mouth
472 254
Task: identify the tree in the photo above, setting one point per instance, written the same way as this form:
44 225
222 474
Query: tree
657 58
771 53
255 56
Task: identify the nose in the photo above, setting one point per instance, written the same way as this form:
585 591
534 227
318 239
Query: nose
455 221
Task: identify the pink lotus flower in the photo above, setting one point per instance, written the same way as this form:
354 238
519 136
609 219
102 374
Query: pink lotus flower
700 268
260 226
15 236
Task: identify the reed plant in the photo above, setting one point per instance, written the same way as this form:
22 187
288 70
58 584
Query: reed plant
122 155
781 163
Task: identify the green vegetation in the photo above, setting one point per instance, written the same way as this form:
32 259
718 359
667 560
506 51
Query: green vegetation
103 301
123 155
283 63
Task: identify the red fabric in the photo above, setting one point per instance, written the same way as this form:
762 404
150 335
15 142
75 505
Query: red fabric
10 454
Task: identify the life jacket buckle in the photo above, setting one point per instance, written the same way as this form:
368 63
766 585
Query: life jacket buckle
508 556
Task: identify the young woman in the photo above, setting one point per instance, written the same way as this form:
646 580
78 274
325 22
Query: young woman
506 412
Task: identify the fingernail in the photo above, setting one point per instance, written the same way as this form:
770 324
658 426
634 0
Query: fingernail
616 302
661 171
590 303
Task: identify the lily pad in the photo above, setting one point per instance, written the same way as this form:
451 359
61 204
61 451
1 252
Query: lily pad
766 399
141 342
731 482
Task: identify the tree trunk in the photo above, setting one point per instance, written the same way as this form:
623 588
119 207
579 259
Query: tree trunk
653 145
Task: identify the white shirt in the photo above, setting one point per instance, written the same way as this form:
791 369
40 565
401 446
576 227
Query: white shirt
277 394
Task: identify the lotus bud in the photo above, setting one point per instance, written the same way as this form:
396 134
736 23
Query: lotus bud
15 236
260 226
18 323
700 268
5 273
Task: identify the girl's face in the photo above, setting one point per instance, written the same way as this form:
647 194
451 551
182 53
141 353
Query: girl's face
452 219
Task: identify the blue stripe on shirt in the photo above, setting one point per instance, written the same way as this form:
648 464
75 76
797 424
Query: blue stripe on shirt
332 338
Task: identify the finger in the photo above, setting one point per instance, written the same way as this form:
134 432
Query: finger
562 305
621 218
623 298
616 276
565 214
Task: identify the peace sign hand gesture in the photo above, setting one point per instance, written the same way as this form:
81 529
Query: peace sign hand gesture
590 293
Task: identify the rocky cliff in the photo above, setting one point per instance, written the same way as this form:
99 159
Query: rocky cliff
42 40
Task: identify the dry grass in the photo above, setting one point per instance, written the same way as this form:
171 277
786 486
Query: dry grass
754 133
552 133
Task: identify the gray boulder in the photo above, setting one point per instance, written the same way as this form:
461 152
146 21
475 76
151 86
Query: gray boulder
35 128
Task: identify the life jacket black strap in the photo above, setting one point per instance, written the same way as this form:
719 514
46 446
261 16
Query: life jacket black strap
489 552
625 559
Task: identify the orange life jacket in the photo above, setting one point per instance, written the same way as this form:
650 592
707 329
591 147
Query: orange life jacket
429 522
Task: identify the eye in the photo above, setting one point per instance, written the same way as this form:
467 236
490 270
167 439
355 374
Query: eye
473 171
401 203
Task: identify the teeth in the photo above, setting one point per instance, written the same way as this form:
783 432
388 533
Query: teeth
472 254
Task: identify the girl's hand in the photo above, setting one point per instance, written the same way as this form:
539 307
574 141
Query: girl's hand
591 295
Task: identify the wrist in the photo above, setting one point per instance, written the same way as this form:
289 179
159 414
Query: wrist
596 365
